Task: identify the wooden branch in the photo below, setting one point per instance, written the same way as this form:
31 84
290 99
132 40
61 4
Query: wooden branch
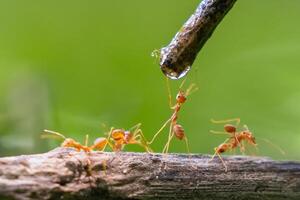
66 174
177 58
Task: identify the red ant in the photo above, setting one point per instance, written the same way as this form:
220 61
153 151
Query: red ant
121 137
175 128
99 143
236 138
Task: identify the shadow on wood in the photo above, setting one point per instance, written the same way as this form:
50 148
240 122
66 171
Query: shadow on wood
66 174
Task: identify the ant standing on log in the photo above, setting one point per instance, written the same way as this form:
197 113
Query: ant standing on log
236 139
121 137
175 128
117 139
99 143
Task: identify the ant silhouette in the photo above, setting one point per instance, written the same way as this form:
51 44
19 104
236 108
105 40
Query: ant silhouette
175 128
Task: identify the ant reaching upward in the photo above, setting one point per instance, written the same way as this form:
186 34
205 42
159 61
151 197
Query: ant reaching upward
121 137
175 128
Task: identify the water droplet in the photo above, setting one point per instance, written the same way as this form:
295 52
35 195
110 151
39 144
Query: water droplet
175 74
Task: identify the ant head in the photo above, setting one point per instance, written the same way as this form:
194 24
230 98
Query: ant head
68 143
117 134
128 136
180 98
249 137
229 128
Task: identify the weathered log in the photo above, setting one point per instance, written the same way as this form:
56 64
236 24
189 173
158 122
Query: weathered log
66 174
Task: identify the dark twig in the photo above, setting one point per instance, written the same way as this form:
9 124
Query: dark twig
177 58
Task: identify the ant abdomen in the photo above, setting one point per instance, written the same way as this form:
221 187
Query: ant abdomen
178 131
100 143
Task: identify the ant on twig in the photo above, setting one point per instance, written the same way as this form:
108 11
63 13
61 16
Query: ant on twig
117 139
236 138
121 137
99 143
175 128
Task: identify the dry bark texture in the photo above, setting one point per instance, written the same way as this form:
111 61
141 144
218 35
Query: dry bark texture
66 174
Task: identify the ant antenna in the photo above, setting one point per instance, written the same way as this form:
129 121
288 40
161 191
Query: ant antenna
182 83
272 144
236 120
52 134
169 92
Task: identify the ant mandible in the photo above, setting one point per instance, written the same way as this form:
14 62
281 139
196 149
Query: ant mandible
175 128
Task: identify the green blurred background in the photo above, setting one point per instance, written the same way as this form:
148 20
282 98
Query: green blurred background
72 66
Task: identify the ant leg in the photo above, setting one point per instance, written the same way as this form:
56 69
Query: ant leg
242 147
86 140
157 133
191 89
216 153
143 141
139 134
187 145
136 127
108 139
223 162
167 145
171 134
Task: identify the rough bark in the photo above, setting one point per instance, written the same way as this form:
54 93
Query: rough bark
177 58
66 174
